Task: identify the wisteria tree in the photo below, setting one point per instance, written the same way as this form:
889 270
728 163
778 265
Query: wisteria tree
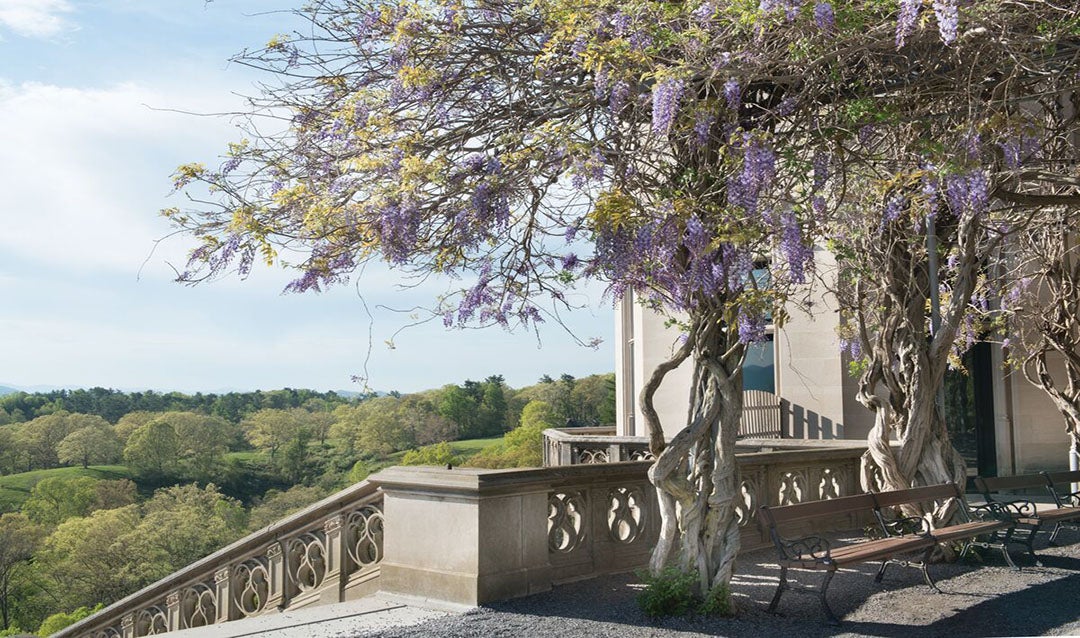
519 148
1042 310
971 135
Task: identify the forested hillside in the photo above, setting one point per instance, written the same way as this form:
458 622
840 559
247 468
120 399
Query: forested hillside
103 492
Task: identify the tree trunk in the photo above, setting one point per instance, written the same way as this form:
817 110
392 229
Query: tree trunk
695 475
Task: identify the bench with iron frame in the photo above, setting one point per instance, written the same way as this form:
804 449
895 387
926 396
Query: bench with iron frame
988 525
1028 518
895 546
818 553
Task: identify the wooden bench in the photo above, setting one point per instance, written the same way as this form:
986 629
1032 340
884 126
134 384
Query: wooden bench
986 525
817 553
1028 518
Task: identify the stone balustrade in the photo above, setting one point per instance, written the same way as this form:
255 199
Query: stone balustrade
328 552
460 537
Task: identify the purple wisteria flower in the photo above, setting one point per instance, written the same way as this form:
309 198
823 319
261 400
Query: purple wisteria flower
797 253
905 22
733 94
759 169
852 347
751 326
665 99
894 207
824 17
821 168
620 93
579 45
621 22
948 19
1018 148
968 192
704 13
640 41
703 123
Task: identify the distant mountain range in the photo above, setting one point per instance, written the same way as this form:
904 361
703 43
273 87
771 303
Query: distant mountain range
5 389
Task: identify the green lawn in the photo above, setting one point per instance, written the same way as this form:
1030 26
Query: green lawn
15 488
472 446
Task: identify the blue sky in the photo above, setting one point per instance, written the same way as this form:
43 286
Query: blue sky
88 90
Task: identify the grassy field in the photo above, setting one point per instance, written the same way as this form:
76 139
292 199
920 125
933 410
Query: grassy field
15 488
472 446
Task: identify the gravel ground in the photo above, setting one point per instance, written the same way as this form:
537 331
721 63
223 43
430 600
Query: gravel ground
977 600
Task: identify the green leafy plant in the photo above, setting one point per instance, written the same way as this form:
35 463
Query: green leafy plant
717 602
670 593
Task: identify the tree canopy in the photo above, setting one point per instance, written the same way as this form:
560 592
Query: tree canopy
691 153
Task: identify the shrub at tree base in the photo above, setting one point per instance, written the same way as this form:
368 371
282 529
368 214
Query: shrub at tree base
671 593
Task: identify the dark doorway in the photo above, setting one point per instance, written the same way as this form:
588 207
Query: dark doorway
969 411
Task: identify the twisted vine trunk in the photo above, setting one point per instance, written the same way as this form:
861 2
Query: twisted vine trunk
695 474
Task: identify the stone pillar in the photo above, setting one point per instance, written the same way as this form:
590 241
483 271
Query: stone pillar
172 605
226 608
127 626
275 564
464 536
333 587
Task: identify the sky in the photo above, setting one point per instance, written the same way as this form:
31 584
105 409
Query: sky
100 100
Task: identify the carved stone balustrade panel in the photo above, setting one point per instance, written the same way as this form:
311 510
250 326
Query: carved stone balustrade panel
364 539
198 606
626 516
306 561
152 621
566 521
251 586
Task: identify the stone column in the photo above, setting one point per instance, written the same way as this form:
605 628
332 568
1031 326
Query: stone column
226 608
464 536
333 587
172 605
127 626
275 563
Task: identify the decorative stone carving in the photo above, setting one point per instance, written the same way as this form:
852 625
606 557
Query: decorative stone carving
109 632
151 621
198 606
746 502
221 575
306 561
333 524
641 455
792 488
364 542
626 514
566 521
832 483
251 588
273 551
589 456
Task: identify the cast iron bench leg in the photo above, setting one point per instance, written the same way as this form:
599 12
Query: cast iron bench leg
779 589
1053 535
832 619
881 571
925 572
1030 542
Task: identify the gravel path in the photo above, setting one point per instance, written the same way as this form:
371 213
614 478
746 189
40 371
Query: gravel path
977 600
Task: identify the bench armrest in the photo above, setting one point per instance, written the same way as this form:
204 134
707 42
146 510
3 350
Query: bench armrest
1018 508
906 525
991 511
813 548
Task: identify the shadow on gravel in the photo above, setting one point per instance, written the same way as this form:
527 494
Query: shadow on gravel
1036 610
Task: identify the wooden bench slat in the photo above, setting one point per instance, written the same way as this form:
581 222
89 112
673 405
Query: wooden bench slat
1061 480
1020 482
819 509
916 495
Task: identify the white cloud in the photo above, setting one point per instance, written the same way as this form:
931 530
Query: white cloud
86 170
35 18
